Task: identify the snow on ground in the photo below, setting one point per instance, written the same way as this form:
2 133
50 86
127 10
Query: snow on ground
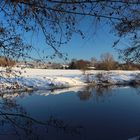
51 79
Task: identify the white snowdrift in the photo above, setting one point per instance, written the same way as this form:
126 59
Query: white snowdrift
51 79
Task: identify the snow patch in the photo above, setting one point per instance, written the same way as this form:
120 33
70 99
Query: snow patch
51 79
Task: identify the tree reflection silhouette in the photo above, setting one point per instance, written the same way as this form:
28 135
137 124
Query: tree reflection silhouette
94 91
17 123
85 94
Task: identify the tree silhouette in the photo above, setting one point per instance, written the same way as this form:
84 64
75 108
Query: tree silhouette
58 20
107 62
17 123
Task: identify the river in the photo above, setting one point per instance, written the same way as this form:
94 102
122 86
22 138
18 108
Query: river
109 113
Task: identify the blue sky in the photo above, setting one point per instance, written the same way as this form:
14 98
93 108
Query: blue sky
96 42
99 38
91 46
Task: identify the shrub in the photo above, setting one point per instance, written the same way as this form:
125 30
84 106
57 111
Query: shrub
4 62
79 64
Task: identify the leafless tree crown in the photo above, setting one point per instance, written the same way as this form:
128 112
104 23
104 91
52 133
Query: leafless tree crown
58 20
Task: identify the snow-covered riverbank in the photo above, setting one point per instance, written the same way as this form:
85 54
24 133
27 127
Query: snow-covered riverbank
49 79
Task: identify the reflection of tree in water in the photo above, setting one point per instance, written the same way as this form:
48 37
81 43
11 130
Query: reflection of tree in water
136 88
86 94
98 93
103 92
15 123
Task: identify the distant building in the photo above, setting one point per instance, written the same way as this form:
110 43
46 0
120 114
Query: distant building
24 65
91 68
41 65
65 66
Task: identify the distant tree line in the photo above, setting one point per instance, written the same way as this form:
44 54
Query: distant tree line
106 62
79 64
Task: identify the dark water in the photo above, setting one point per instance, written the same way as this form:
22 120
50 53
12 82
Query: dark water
88 114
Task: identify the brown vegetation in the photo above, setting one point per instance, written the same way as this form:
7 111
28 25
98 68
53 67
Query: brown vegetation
106 62
4 62
79 64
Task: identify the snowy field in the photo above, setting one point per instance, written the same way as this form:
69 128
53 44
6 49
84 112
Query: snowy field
50 79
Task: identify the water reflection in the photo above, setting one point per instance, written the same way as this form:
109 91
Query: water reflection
89 113
85 94
98 93
16 123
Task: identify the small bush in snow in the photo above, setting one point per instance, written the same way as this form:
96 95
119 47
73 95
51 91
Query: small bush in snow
102 78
